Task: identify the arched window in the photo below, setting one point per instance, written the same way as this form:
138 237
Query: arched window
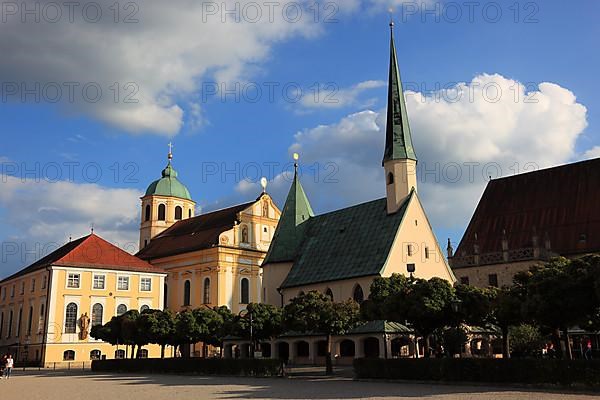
187 293
119 354
95 355
97 311
245 234
390 178
42 318
143 308
121 309
162 212
358 294
19 322
190 213
69 355
71 318
206 291
329 294
245 295
148 212
178 213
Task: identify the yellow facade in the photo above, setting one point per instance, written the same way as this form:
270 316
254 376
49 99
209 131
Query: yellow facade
217 276
48 306
152 223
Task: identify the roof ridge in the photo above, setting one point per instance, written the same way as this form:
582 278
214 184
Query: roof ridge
547 169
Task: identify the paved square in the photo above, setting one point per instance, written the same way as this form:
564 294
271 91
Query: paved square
89 386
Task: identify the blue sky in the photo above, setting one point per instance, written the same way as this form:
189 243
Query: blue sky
176 54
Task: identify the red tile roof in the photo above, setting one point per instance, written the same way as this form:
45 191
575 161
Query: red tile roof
193 234
561 203
90 252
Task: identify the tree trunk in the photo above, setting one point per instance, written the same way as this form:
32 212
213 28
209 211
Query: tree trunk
162 351
328 362
426 346
505 343
569 353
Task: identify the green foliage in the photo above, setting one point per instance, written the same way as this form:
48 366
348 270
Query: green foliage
200 366
486 370
382 289
315 312
453 339
475 305
266 322
526 340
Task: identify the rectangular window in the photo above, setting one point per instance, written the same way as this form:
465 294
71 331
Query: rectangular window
464 280
23 287
44 280
123 283
409 250
426 252
146 284
493 280
12 291
33 285
73 281
99 281
4 293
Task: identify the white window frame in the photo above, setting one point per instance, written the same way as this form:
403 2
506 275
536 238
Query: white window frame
73 274
142 286
103 276
119 277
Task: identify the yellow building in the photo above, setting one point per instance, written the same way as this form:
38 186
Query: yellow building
340 253
212 259
48 308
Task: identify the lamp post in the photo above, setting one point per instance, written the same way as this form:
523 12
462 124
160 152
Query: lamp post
456 306
243 314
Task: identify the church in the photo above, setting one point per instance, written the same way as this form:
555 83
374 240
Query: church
340 253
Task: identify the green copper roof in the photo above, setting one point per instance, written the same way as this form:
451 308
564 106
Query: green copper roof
291 226
168 185
345 244
379 326
398 142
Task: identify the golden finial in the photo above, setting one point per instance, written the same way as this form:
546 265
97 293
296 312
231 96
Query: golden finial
170 156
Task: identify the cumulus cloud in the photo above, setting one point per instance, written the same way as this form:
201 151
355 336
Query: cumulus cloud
462 135
139 68
594 152
42 215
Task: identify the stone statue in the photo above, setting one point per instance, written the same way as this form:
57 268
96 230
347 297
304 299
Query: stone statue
84 324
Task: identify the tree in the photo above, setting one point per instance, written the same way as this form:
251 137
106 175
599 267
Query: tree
224 328
475 305
109 332
265 320
427 305
187 329
374 308
208 322
315 312
506 306
526 340
159 326
131 334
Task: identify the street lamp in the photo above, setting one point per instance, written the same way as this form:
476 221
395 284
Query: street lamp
243 314
456 306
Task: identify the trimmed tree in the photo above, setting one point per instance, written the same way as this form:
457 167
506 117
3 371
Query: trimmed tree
315 312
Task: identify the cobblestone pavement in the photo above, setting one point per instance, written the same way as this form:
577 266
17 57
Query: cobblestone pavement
89 386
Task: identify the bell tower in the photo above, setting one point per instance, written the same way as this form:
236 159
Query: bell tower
399 158
166 202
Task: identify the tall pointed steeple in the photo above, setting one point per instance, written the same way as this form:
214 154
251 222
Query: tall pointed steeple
399 158
291 227
398 141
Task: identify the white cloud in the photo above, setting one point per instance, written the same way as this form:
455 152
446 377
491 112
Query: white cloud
331 96
449 129
42 215
594 152
165 55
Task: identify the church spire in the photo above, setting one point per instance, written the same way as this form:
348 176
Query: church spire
290 229
398 141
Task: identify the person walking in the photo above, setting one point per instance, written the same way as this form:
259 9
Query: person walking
588 349
9 366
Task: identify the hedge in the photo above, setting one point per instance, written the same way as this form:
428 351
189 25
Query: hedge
200 366
527 371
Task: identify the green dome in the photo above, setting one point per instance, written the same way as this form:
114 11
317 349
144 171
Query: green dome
168 185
